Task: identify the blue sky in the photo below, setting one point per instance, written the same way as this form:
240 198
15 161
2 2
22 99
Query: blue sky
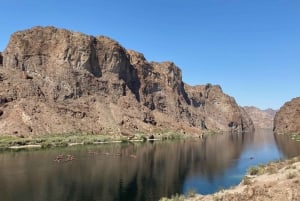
249 47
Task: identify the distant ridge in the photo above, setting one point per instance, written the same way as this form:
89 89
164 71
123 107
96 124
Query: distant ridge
261 118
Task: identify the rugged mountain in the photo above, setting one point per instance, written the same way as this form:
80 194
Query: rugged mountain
261 118
54 80
287 119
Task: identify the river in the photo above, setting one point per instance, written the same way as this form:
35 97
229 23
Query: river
138 171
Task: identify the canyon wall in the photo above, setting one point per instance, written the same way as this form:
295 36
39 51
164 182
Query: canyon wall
56 81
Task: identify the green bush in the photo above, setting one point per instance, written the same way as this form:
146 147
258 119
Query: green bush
46 145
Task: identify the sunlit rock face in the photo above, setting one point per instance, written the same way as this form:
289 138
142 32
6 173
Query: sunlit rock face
287 119
261 118
55 81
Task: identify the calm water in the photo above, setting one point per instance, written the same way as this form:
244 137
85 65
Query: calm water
141 172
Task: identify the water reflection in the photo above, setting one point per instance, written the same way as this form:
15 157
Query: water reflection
132 171
290 148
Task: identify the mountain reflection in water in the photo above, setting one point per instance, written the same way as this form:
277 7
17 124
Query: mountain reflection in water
138 171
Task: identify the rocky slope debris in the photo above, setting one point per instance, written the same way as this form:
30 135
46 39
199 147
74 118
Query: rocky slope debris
261 118
55 81
287 119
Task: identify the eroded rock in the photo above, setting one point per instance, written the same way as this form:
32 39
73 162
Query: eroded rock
55 80
287 119
261 118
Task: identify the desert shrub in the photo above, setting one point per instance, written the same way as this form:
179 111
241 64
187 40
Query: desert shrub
192 193
291 175
272 170
253 170
176 197
144 138
247 180
217 198
61 144
124 140
46 145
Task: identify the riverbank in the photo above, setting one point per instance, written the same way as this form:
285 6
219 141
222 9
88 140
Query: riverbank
276 181
72 139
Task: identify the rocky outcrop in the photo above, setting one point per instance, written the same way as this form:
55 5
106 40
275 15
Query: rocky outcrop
287 119
218 111
54 80
261 118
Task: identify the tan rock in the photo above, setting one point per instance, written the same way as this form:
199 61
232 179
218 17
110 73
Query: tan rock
55 80
261 118
287 119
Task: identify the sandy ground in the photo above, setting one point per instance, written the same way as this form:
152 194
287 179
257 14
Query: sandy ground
277 181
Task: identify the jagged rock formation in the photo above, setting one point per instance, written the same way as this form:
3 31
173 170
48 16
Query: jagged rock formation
287 119
54 80
261 118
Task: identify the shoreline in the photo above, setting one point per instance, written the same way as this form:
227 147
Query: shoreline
75 139
276 181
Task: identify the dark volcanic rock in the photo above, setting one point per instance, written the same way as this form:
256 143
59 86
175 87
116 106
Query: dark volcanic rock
287 119
55 80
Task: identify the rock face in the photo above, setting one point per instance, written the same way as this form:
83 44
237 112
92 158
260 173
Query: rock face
270 111
261 118
54 81
287 119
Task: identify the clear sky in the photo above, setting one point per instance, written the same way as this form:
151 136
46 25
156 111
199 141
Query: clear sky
249 47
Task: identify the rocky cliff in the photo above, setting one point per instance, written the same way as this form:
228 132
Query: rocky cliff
54 81
287 119
261 118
